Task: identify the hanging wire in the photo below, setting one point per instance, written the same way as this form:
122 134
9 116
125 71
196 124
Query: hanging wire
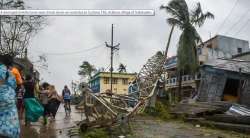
227 17
242 27
238 21
75 52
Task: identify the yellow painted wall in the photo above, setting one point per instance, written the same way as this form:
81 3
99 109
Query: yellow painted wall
118 88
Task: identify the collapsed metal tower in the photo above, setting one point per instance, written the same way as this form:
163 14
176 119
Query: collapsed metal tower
105 109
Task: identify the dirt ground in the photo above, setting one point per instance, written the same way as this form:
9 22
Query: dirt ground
148 127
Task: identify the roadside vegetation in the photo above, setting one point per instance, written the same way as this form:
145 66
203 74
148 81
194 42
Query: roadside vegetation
96 133
160 111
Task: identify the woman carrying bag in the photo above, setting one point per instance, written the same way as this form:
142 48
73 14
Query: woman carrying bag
33 109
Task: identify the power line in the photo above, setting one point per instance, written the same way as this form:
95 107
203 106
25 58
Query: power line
228 15
242 27
238 21
76 52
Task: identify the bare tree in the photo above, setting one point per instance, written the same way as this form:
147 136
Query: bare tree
42 62
16 31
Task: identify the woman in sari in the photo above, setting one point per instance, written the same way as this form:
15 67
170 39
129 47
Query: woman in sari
9 123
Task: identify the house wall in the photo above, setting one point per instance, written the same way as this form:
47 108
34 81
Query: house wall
211 87
100 84
222 47
230 45
118 88
245 98
213 83
95 85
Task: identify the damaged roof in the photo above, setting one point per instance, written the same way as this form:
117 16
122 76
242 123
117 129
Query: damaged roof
230 65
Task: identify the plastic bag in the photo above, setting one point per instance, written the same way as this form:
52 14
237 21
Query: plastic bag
33 109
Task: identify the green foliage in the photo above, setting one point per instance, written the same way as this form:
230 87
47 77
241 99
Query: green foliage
87 70
186 53
96 133
186 20
161 110
113 131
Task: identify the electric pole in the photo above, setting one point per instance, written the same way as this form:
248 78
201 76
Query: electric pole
112 48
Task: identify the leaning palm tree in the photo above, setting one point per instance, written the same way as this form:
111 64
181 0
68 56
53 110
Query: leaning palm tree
186 21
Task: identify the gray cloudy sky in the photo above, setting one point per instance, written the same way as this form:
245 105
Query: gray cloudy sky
140 37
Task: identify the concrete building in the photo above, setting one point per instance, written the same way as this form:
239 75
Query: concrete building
101 82
221 47
214 48
225 80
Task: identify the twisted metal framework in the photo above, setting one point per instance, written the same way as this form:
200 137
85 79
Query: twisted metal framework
105 109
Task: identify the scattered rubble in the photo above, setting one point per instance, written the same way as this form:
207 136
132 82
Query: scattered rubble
224 115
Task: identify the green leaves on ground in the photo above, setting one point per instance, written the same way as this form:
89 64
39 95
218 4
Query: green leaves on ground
161 111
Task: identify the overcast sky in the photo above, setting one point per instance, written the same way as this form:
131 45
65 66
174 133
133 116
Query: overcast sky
140 37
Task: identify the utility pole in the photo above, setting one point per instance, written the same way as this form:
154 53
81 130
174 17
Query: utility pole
112 48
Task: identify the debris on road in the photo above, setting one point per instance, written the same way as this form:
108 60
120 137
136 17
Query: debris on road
224 115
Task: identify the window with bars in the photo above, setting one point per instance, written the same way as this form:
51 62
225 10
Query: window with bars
125 81
114 81
106 80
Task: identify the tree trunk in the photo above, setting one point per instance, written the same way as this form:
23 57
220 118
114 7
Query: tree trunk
154 97
169 39
168 44
179 85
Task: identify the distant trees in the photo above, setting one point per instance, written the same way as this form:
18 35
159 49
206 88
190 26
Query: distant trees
122 68
87 70
16 31
186 21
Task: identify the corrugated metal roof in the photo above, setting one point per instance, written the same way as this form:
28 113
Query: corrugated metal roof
230 65
241 54
171 62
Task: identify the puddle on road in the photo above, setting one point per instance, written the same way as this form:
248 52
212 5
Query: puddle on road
57 129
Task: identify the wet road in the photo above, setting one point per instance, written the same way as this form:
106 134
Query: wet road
54 129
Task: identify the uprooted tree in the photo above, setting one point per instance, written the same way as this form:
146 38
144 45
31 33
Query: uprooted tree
16 31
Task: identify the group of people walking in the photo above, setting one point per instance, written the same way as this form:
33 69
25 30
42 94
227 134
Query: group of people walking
21 95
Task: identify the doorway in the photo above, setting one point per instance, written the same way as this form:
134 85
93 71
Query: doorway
230 92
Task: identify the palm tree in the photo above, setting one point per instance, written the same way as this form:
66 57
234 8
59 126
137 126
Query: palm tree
186 21
122 68
87 70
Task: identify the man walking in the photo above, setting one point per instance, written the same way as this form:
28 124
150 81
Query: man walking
66 97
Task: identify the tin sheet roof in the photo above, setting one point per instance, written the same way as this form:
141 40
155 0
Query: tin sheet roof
230 65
